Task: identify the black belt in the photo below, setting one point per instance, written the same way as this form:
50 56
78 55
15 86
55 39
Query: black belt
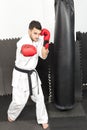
29 72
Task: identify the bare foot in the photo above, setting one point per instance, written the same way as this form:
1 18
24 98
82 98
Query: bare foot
45 126
10 120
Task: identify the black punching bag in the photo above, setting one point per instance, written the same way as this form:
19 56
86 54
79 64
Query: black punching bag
64 51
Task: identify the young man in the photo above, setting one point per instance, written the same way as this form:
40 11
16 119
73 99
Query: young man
25 80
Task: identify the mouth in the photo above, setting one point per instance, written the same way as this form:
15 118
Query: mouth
36 39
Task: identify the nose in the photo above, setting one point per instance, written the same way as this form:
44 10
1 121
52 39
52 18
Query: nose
37 36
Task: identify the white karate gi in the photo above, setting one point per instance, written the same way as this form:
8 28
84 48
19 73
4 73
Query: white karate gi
20 83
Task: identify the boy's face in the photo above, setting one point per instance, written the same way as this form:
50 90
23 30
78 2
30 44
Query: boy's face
34 34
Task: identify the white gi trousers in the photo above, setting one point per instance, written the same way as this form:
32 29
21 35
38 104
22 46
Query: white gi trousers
21 93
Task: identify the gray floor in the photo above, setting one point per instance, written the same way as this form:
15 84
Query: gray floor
75 119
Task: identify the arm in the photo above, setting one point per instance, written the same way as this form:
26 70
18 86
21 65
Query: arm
44 52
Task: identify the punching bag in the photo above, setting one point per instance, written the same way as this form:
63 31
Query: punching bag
64 51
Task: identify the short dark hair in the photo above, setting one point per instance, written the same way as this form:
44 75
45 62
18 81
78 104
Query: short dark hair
35 24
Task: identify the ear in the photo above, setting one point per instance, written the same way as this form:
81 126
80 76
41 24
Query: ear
28 31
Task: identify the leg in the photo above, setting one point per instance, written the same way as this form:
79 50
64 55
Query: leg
41 112
20 96
17 105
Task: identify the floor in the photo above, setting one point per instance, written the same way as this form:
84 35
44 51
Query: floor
74 119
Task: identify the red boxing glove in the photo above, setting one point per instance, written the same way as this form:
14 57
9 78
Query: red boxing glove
46 35
28 50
